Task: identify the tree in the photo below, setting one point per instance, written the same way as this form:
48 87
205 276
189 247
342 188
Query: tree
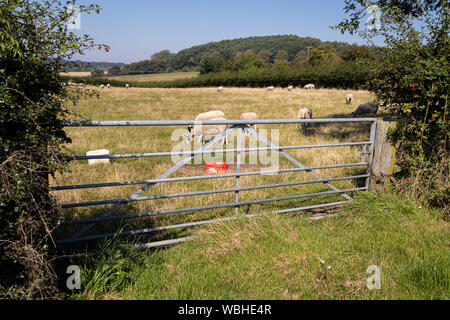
244 61
35 43
413 82
265 56
358 54
211 62
282 55
114 71
97 73
324 55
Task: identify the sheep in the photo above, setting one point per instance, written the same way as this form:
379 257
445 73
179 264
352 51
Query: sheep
108 86
368 107
201 131
220 89
309 87
210 115
127 86
304 113
194 131
102 86
271 88
290 88
349 98
249 116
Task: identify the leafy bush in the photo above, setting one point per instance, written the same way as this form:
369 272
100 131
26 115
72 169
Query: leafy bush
413 82
35 41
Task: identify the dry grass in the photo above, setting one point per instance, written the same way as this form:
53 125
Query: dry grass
185 104
75 74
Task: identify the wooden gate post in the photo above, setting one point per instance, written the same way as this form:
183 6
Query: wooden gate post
384 154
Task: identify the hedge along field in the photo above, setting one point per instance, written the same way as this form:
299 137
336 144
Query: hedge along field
185 104
343 77
156 77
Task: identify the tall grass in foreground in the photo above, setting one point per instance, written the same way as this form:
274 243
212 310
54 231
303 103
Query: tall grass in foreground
289 257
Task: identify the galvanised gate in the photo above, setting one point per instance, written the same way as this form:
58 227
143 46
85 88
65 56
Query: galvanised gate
239 126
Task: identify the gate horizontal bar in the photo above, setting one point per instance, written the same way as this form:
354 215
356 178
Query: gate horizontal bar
191 224
192 153
208 192
151 123
164 243
219 176
217 206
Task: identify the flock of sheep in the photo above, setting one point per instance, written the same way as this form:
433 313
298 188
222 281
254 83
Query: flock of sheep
201 132
102 86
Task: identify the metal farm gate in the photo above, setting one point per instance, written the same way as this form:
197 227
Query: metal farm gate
239 126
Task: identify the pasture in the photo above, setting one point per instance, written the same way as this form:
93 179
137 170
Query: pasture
272 257
185 104
156 77
75 74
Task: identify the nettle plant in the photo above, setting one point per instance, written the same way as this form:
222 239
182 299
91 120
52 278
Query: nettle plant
413 83
35 43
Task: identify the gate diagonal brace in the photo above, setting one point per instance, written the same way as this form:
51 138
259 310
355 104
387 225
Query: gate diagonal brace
294 161
164 175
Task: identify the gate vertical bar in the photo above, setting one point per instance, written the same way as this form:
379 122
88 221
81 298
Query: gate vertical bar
373 132
238 165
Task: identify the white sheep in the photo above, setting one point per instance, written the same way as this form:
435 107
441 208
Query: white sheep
249 116
200 130
220 89
304 113
309 87
127 86
271 88
290 88
108 86
102 86
349 98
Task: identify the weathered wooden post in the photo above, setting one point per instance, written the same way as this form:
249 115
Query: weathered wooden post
384 154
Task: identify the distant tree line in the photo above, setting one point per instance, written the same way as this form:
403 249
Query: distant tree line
326 66
206 58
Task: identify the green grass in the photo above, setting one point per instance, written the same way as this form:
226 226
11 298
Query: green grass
279 257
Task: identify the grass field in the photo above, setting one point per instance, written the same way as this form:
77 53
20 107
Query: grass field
271 257
157 77
75 74
185 104
288 258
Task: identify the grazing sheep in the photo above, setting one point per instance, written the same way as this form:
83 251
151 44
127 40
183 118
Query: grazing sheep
249 116
271 88
127 86
220 89
349 98
309 87
202 131
368 107
102 86
199 130
108 86
290 88
304 113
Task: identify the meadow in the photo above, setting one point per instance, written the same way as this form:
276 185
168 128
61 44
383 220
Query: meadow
270 257
185 104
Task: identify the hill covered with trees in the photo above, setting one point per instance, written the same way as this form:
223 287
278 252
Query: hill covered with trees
268 49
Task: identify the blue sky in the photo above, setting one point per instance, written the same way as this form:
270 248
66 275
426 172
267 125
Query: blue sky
135 29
